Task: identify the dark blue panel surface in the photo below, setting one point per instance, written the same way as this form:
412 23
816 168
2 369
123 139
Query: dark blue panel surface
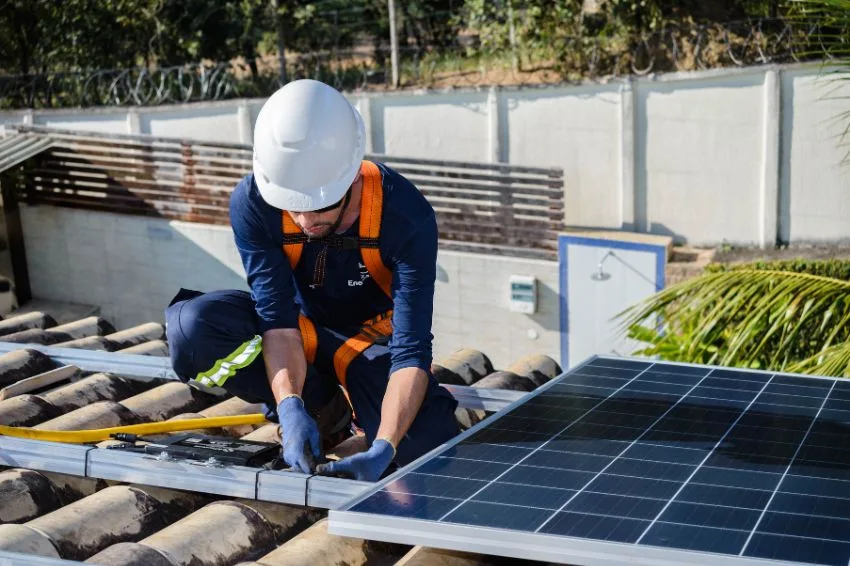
665 453
615 505
611 529
406 505
674 378
716 516
498 516
648 469
735 478
487 452
567 461
525 495
725 496
600 446
837 507
634 365
546 477
740 376
426 484
693 458
601 372
813 551
627 485
691 537
804 526
452 467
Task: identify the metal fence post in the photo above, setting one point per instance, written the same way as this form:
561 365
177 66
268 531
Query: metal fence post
281 43
393 43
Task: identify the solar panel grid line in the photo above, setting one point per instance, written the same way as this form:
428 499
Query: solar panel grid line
528 455
766 471
819 495
544 548
611 463
613 516
785 473
704 460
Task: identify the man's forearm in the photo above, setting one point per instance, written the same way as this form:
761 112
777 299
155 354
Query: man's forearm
286 367
405 393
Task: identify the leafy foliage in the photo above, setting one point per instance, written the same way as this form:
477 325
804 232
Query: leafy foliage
834 268
81 52
790 316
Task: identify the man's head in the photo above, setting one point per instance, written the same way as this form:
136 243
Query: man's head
309 142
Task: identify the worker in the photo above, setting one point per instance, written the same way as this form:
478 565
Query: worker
340 256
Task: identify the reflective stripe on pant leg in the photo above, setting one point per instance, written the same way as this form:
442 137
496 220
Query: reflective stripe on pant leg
224 368
248 351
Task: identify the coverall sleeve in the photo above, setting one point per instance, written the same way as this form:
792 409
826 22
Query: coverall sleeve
266 266
414 272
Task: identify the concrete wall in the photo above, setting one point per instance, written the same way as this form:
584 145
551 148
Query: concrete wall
132 266
129 266
743 156
471 308
814 196
698 159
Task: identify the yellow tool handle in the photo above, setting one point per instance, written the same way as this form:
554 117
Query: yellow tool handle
98 434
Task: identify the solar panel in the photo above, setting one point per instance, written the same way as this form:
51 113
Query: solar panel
622 459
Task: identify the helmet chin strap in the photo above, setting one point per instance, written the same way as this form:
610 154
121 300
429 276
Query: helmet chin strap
338 221
328 239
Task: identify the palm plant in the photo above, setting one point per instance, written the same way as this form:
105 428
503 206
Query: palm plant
749 317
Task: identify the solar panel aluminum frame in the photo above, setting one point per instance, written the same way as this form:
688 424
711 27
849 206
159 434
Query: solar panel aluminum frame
44 456
520 544
275 486
235 481
147 368
10 558
529 546
134 366
328 493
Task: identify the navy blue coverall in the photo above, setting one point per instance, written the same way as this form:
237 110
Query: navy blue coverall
216 337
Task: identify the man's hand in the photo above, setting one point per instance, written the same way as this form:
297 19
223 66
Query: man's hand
364 466
299 435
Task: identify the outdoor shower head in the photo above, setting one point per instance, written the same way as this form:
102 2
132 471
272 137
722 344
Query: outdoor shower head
600 274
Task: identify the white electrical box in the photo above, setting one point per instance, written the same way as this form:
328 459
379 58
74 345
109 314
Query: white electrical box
523 294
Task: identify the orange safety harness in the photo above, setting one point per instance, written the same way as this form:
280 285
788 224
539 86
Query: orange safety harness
380 327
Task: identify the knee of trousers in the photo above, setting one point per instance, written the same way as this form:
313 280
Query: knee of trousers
204 328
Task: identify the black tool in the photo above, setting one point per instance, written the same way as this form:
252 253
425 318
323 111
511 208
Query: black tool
214 450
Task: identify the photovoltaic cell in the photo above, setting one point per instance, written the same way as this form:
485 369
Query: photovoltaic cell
738 464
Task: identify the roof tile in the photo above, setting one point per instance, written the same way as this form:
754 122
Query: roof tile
107 522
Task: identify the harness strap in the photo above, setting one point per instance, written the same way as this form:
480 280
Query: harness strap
367 240
371 209
369 231
309 337
292 246
380 327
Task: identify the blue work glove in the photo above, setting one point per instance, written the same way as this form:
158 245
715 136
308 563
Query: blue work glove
299 435
363 466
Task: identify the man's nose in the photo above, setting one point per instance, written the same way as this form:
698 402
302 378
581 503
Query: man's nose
305 219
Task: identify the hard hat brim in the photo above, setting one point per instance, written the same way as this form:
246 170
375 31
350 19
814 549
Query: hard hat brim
294 200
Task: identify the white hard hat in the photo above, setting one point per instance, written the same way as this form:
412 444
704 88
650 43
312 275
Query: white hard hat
309 142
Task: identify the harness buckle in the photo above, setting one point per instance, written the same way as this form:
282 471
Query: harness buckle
350 243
